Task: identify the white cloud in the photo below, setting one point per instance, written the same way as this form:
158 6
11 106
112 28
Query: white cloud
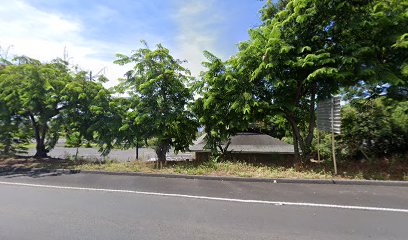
18 18
43 35
195 20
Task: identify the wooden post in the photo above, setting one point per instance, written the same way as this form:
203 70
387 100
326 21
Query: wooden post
333 144
334 154
318 146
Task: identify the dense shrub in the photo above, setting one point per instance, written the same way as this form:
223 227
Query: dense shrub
376 127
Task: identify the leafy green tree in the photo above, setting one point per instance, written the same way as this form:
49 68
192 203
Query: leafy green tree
14 131
292 64
158 83
33 90
306 50
376 127
88 111
376 39
271 8
51 96
223 107
130 133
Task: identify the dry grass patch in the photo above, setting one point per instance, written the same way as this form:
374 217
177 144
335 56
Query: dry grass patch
234 169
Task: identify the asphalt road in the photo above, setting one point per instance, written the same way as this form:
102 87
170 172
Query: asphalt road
145 154
91 206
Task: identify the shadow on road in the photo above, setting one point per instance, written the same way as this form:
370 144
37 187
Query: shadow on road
31 167
34 173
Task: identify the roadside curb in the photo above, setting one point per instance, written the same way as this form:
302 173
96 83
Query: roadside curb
243 179
219 178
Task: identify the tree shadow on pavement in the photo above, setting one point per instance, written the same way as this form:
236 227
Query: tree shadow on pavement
34 173
11 167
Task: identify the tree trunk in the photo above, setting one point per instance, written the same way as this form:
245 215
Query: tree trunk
76 153
161 150
8 145
8 139
297 138
296 149
41 152
312 123
161 155
137 150
298 141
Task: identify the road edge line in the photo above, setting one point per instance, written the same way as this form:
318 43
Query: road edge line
264 180
275 203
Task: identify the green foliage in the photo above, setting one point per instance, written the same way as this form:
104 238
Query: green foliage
377 42
49 97
304 51
130 133
157 86
307 50
121 130
324 146
376 127
73 139
14 131
399 116
90 115
292 61
34 90
225 103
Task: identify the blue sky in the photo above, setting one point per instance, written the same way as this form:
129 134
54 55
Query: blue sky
94 31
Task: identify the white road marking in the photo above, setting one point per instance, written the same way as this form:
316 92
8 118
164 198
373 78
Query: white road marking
276 203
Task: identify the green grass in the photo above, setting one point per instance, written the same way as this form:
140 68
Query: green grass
236 169
233 169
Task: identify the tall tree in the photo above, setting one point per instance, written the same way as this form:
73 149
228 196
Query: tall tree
308 49
34 90
14 132
51 96
88 111
375 36
225 105
291 63
158 82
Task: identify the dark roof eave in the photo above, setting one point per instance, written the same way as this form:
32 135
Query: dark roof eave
250 152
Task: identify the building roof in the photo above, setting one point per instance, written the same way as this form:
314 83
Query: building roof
250 143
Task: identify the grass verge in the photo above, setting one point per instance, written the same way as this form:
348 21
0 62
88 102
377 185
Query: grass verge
233 169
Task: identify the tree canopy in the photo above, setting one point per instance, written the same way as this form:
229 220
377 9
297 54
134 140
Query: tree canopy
307 50
303 51
158 85
51 96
